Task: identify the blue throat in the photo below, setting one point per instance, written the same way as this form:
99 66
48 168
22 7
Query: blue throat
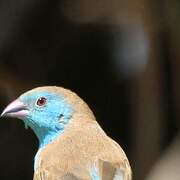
46 136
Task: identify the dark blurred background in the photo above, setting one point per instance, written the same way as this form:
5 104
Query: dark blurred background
121 57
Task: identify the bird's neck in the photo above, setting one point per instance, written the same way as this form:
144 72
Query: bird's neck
45 136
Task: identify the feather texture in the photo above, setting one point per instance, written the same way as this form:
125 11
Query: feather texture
80 150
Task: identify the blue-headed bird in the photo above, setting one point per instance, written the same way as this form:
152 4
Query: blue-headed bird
72 145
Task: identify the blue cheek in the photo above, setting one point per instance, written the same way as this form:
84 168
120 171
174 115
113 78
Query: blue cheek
51 115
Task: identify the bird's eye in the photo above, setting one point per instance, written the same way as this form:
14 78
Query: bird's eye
41 101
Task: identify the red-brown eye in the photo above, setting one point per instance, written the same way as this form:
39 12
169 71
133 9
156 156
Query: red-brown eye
41 101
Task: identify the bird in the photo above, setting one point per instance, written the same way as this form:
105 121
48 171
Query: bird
72 145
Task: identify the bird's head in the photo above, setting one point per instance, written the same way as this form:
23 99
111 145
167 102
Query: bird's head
47 110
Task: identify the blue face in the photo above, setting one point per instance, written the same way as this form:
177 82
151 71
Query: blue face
48 114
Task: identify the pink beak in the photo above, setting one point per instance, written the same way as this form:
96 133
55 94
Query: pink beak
16 109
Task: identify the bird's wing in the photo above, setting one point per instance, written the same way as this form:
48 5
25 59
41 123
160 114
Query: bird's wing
109 171
106 171
52 173
43 175
47 175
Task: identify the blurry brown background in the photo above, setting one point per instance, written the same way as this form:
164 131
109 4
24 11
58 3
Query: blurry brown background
121 57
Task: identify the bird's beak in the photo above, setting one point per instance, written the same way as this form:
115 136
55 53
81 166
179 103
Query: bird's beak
16 109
